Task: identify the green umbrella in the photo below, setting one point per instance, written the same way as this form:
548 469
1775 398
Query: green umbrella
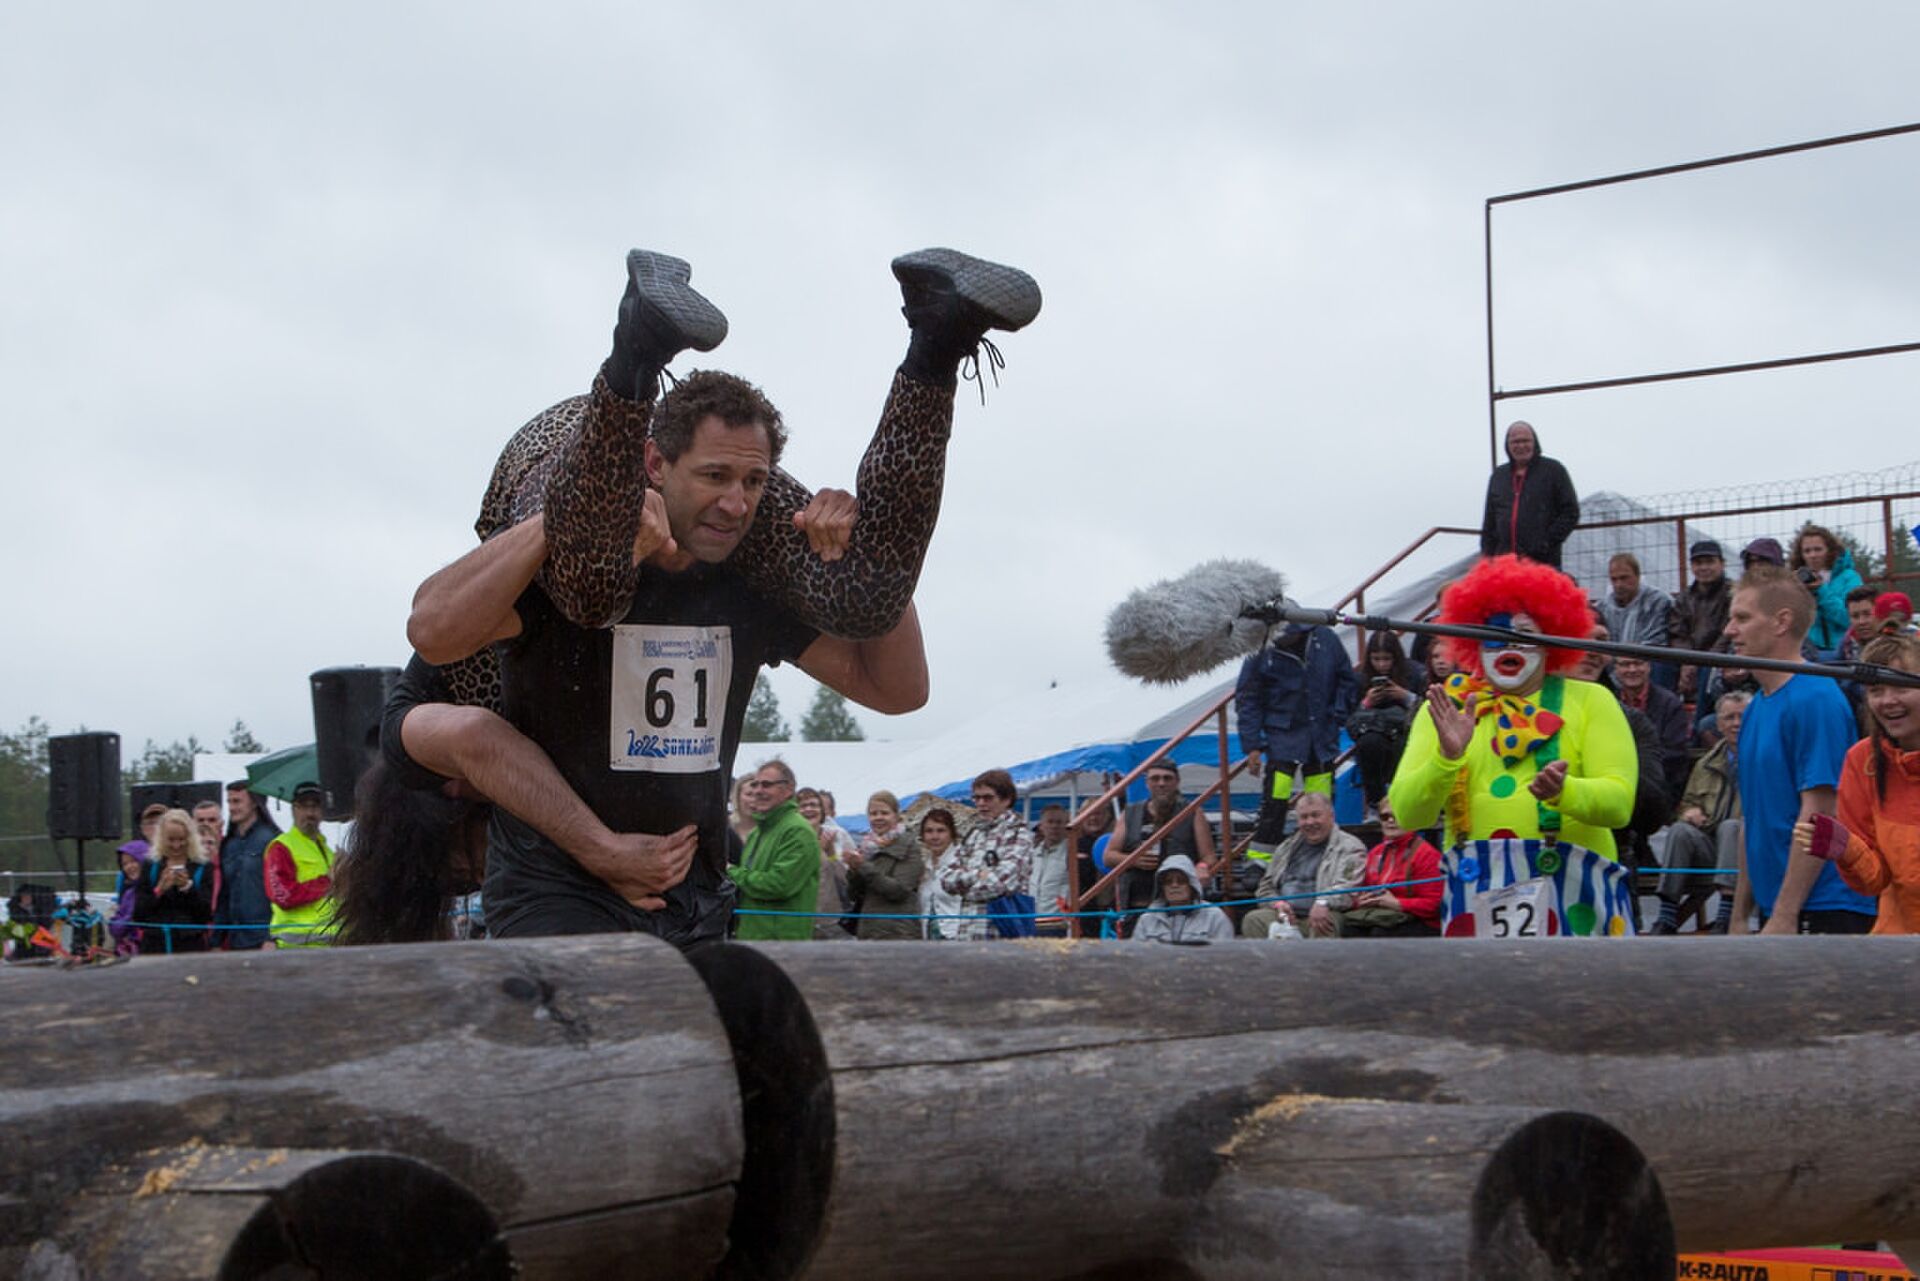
278 773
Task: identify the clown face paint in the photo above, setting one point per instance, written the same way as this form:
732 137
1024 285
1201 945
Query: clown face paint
1512 669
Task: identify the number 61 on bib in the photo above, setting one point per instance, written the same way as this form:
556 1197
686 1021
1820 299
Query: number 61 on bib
670 687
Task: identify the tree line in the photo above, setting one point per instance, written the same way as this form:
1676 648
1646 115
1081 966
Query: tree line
828 718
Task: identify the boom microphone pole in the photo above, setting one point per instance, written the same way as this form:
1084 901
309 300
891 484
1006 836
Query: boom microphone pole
1224 609
1282 611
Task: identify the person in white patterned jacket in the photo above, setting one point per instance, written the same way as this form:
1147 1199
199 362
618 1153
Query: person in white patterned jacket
995 861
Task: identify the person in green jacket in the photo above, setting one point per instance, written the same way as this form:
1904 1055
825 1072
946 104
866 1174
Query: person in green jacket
780 868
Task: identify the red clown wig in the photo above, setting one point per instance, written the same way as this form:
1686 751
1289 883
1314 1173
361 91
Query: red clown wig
1510 585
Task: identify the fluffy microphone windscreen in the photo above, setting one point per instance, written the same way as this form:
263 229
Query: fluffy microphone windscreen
1183 626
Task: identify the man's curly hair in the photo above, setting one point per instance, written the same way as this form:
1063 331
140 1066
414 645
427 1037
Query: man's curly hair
1511 585
733 400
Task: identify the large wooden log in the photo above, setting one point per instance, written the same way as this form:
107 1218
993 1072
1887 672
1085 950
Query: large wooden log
1408 1109
582 1091
1416 1109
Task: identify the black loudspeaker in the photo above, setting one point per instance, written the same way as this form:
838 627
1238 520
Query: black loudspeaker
83 787
175 796
347 702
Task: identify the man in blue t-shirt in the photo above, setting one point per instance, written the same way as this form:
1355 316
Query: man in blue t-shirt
1792 743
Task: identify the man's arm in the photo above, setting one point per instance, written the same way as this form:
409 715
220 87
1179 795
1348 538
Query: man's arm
1342 868
1489 524
493 758
1346 687
1566 507
1742 891
284 886
469 604
1247 709
887 674
1203 837
1802 869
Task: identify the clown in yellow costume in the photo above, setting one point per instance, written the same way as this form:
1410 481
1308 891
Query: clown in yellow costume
1511 749
1491 786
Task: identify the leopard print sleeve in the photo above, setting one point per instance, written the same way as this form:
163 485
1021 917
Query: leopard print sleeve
863 594
581 463
474 681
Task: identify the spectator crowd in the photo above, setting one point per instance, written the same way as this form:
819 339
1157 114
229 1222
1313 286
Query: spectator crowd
1787 800
209 879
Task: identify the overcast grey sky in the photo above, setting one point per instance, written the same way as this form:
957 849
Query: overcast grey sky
277 281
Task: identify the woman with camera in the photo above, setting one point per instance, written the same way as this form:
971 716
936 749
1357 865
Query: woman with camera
1378 727
1825 566
173 903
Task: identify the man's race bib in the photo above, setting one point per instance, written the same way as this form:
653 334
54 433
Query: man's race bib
670 689
1515 888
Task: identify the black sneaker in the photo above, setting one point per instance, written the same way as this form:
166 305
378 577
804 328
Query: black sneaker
1664 927
673 313
947 287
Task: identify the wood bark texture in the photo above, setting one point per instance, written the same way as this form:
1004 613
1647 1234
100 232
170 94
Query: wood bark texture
583 1090
1333 1109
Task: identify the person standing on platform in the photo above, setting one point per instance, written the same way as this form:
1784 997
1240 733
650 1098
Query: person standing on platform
1531 504
1291 700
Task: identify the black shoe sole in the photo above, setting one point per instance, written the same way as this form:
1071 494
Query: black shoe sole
1008 297
662 282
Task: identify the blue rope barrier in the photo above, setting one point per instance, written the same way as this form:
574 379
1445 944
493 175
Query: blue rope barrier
1306 896
1108 917
252 929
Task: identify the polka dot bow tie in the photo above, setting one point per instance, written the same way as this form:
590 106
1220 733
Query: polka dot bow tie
1520 725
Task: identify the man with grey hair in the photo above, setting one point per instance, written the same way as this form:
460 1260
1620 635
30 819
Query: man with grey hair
1531 504
1312 874
779 871
1706 830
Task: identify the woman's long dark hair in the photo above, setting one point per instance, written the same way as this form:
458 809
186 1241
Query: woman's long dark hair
1386 642
403 862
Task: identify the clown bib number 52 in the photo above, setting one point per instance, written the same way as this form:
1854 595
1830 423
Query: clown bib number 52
669 697
1509 888
1515 911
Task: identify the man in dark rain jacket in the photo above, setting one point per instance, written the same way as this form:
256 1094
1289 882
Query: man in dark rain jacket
1531 505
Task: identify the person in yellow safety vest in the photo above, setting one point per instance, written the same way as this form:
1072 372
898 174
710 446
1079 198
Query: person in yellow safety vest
300 875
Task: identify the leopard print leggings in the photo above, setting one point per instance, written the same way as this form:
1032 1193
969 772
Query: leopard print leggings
581 462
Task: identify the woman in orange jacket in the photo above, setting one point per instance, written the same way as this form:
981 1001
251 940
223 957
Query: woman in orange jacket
1876 838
